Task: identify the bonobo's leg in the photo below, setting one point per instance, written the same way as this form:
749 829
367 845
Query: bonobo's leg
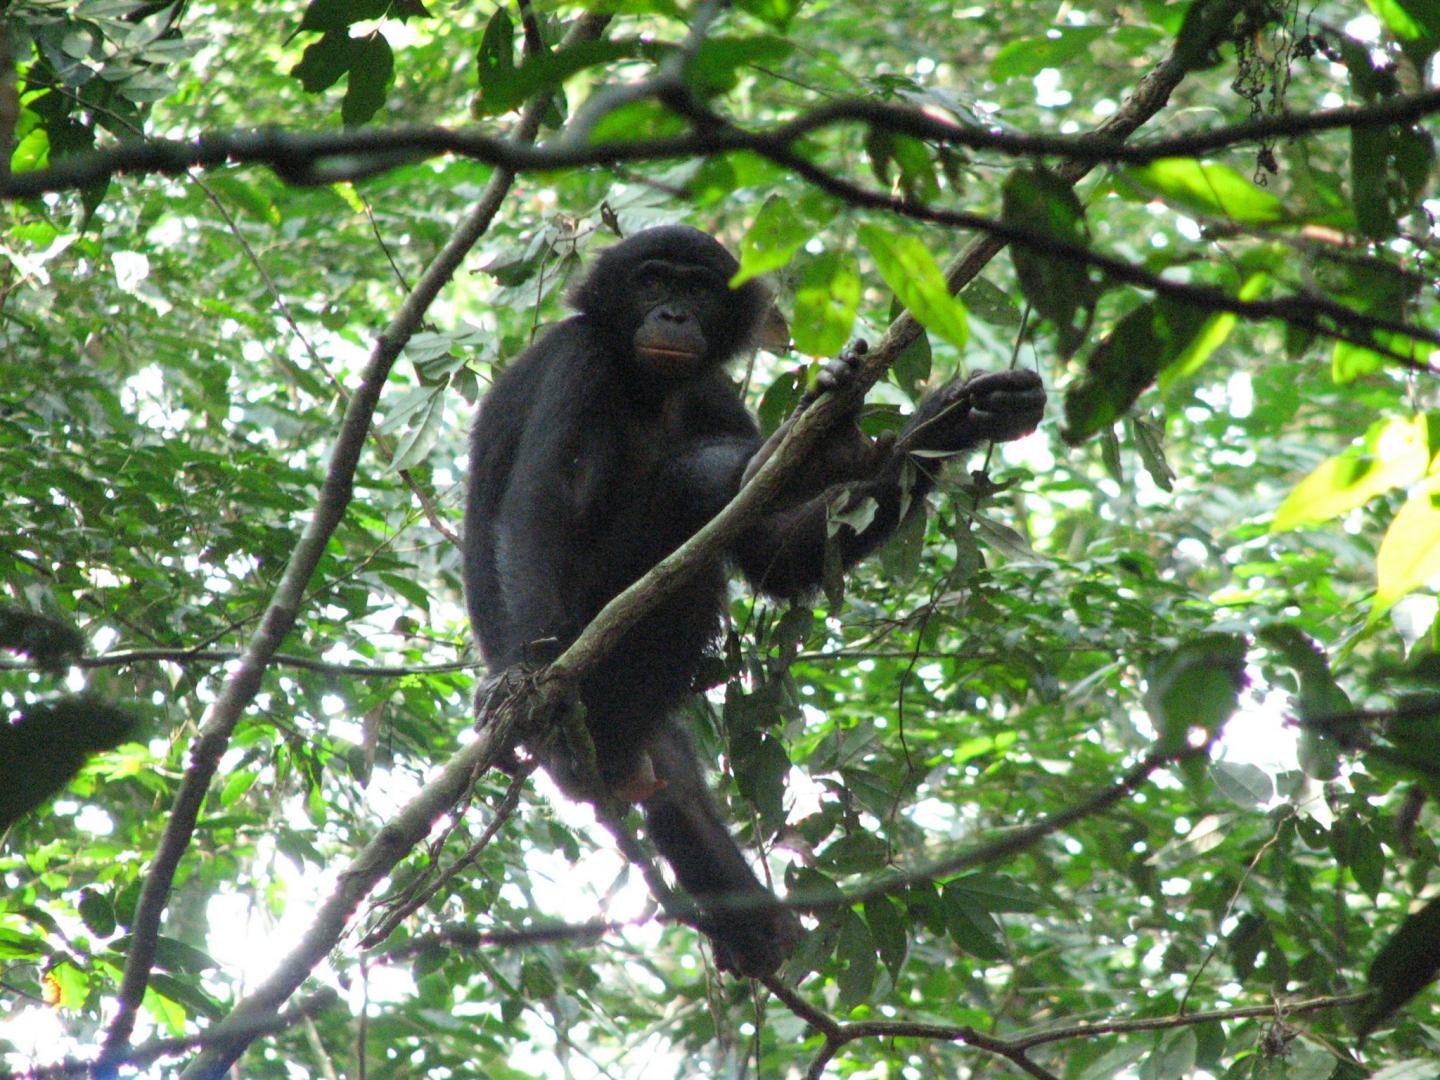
685 825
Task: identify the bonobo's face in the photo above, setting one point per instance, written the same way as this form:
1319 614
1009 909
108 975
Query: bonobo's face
678 314
663 297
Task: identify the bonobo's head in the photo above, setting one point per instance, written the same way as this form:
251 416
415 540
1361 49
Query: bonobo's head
663 294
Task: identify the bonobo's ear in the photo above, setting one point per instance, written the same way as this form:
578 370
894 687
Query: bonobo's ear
773 333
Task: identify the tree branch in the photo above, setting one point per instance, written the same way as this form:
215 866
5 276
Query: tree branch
331 157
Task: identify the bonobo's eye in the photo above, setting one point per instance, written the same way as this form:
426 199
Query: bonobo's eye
649 289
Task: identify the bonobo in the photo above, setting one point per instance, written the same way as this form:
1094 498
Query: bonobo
606 445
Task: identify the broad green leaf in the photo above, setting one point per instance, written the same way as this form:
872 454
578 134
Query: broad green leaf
1369 192
1195 685
1127 360
1409 555
856 951
776 13
1394 453
495 61
986 300
504 87
971 927
1058 289
1208 189
888 929
332 15
775 235
69 985
1029 56
637 121
827 297
1210 337
996 893
372 66
324 62
1320 696
917 282
415 447
716 68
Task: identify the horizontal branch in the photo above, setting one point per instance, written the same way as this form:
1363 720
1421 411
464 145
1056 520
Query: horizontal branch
331 157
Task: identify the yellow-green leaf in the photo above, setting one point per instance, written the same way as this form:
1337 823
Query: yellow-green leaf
1409 554
1394 453
826 299
1208 188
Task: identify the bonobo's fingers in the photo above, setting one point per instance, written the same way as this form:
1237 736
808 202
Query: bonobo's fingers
995 406
836 373
842 370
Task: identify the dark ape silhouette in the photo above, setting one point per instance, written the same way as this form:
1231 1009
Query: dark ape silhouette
606 445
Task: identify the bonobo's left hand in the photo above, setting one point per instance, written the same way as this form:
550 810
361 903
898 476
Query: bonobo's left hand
988 406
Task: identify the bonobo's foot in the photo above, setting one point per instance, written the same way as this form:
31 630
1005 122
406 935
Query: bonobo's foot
755 942
640 784
994 406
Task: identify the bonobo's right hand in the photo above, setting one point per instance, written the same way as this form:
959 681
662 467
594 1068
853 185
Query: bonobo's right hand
988 406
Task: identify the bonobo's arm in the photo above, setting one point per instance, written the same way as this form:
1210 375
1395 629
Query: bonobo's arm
784 553
557 480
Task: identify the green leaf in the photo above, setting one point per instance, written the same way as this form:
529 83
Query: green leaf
997 893
97 912
716 67
776 13
324 62
1058 289
1208 189
503 87
971 927
827 296
328 16
1394 453
1320 696
1415 23
372 68
856 951
1126 362
986 300
415 447
187 993
1027 57
889 931
772 239
917 282
1195 685
1409 555
495 65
